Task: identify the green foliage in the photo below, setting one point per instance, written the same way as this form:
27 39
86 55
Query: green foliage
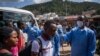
63 8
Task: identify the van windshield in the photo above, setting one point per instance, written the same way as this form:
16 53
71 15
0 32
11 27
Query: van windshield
16 16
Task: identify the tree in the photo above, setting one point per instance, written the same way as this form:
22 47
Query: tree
60 7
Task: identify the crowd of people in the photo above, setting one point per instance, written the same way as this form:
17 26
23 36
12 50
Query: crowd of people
26 39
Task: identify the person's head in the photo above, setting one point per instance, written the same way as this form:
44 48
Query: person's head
81 21
57 21
32 22
9 23
50 28
21 25
8 36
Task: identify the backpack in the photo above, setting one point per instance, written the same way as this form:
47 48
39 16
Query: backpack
40 50
27 50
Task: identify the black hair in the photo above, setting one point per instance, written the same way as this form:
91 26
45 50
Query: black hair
48 24
19 23
5 33
81 18
7 22
32 21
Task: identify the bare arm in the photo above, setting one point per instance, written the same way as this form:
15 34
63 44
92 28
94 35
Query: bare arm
35 48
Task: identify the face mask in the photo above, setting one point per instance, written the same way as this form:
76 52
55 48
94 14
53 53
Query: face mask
79 23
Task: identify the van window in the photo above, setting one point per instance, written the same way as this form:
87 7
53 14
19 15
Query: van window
16 16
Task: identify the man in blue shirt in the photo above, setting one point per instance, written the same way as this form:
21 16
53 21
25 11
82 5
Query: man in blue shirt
57 38
32 30
82 39
57 43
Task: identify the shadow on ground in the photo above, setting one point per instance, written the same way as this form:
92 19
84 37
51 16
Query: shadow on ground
65 53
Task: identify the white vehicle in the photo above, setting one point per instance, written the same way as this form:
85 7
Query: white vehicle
11 0
15 14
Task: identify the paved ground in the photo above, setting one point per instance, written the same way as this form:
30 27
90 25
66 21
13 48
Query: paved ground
65 50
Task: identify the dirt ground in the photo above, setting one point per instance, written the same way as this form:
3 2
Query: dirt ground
65 50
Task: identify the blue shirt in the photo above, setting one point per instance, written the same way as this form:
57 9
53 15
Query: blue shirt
56 45
58 39
33 32
83 41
